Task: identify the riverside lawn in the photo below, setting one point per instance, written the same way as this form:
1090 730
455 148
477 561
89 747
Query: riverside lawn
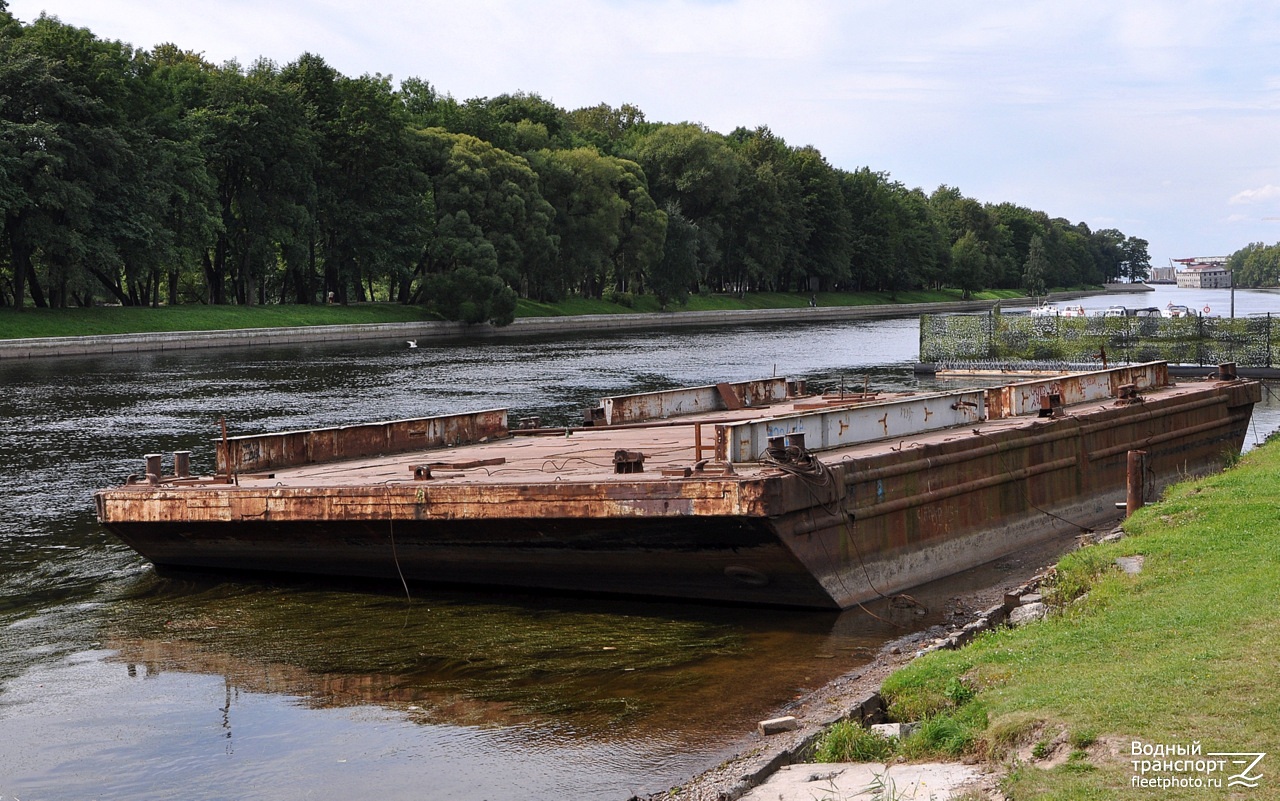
1180 656
101 320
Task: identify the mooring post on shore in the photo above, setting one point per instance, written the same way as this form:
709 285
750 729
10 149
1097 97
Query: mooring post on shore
1137 470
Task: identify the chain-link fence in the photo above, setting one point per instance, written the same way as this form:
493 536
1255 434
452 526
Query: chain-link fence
1011 339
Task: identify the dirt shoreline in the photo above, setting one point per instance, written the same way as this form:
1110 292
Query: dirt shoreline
756 757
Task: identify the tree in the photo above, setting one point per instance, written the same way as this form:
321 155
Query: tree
969 264
368 217
692 170
583 188
603 126
1255 265
488 223
179 81
1035 268
643 231
826 248
672 277
1135 263
1107 249
765 228
62 152
1016 226
262 154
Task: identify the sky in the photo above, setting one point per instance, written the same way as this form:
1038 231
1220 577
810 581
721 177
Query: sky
1157 117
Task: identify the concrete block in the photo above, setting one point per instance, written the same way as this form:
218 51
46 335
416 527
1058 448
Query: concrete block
871 708
898 730
1131 565
1027 613
777 725
995 615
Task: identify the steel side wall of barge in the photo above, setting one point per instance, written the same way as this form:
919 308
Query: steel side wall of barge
706 539
884 522
917 514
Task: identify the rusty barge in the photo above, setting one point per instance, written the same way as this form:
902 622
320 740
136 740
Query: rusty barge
751 492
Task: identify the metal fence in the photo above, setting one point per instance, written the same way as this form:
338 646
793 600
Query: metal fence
1003 338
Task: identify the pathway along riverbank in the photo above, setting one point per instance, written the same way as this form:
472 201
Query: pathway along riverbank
524 326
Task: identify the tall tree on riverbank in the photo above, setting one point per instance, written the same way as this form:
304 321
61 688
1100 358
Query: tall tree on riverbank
1037 265
150 176
488 227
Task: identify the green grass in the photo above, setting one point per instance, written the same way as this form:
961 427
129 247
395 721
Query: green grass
847 741
1183 652
753 300
135 319
127 320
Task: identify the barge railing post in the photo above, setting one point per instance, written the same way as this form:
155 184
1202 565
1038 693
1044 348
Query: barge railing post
1137 470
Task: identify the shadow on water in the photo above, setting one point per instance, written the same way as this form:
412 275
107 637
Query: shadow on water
604 668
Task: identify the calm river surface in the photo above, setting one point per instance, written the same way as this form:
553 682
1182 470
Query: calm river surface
118 684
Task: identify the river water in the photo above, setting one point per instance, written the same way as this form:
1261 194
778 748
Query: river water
119 684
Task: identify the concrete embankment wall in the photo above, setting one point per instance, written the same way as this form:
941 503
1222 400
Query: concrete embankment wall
425 332
433 331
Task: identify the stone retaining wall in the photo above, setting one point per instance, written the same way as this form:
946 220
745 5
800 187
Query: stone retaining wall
429 331
525 326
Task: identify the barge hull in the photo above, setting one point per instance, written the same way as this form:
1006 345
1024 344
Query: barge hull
866 519
725 560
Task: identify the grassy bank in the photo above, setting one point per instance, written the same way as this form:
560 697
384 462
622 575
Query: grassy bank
1182 653
754 300
142 319
128 320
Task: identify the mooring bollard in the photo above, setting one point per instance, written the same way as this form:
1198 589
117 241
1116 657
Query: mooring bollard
154 468
1137 471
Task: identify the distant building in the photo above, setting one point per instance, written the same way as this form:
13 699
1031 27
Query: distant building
1204 272
1163 275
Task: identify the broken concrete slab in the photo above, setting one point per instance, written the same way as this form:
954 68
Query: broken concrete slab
892 730
854 781
1131 565
1027 613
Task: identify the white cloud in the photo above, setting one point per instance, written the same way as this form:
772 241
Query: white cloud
1259 195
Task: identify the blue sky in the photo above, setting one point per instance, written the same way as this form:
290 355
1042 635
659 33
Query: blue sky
1157 117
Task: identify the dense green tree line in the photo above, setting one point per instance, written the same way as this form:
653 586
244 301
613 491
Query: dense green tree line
1256 265
152 176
